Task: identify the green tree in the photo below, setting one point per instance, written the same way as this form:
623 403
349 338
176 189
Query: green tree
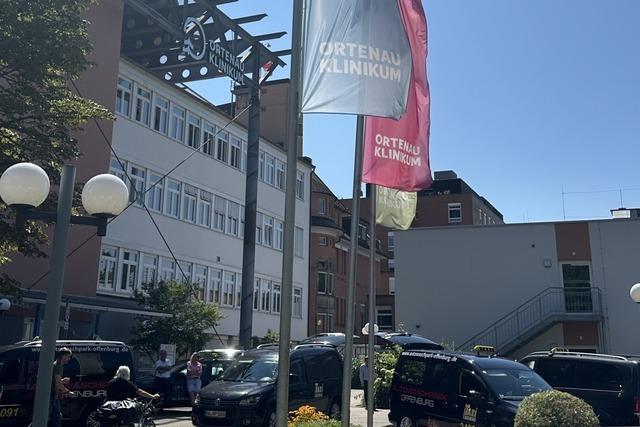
187 326
271 337
43 46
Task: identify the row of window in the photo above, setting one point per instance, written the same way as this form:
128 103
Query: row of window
122 271
197 206
168 118
485 219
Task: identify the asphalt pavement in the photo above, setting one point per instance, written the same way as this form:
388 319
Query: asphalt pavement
181 417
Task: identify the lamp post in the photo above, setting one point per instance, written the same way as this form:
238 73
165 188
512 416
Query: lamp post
24 187
634 292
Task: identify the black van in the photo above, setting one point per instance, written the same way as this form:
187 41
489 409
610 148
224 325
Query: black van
91 367
459 389
245 394
610 384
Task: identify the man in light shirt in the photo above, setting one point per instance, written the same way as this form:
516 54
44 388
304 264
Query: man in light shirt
364 379
163 376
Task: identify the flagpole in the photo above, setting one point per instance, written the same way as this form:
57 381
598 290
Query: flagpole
372 304
293 111
353 260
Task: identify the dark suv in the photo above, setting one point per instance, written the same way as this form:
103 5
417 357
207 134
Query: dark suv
608 383
245 394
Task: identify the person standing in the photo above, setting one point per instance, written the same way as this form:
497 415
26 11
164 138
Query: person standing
163 376
194 377
59 387
364 379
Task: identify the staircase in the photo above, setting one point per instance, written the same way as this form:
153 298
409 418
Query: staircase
551 306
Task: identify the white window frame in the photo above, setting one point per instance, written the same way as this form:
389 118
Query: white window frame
219 214
276 297
259 227
268 230
167 270
138 176
128 271
149 267
328 283
281 174
108 263
270 170
323 241
245 154
116 169
300 184
453 207
172 201
297 302
228 288
391 242
386 312
143 106
200 279
155 192
205 208
265 296
208 139
124 96
261 164
298 243
278 240
178 122
233 218
187 269
256 294
392 285
322 206
235 151
161 108
194 131
215 285
189 203
222 146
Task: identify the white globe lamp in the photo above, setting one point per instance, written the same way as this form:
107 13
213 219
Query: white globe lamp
105 195
635 293
24 184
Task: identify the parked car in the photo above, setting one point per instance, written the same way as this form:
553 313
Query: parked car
91 367
245 394
214 362
408 341
610 384
435 387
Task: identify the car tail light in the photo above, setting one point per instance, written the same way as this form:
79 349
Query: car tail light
636 405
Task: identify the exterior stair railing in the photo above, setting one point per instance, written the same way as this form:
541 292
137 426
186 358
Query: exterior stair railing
537 314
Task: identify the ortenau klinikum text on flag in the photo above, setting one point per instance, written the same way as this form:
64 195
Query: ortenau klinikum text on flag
396 152
357 58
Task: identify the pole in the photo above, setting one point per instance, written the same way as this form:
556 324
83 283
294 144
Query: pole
372 304
251 206
293 111
353 263
54 293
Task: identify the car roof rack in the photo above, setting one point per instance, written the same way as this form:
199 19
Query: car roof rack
551 353
268 345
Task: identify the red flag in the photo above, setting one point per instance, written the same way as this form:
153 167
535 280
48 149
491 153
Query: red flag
396 153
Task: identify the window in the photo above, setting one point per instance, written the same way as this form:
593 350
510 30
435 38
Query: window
325 283
208 139
297 302
123 97
322 206
455 213
268 231
298 242
215 279
265 295
228 288
185 271
137 176
245 148
143 106
279 236
204 208
154 192
108 264
241 230
160 114
391 242
189 202
270 169
362 232
276 298
322 240
235 151
178 117
10 370
256 294
117 169
384 316
391 262
392 285
167 270
149 269
259 225
222 147
604 376
412 371
576 279
281 174
261 166
200 280
219 213
233 216
173 198
238 290
300 185
469 382
193 133
128 270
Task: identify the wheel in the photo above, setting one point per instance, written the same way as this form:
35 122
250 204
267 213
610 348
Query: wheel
270 419
335 413
92 420
406 422
148 422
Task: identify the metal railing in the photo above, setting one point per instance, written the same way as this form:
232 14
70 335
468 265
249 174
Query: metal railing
538 313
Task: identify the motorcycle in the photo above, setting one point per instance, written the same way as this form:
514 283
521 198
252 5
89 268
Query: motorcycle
130 413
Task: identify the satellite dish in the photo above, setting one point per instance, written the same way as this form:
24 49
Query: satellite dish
5 304
365 329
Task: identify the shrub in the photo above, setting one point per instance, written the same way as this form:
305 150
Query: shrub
555 409
385 365
355 373
305 414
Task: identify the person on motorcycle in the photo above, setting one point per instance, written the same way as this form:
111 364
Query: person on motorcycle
120 388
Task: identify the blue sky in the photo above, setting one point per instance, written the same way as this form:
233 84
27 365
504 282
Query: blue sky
528 98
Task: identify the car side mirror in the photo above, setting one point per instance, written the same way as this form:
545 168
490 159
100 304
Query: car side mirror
294 378
475 396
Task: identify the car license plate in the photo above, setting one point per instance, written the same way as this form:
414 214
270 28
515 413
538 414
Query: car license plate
215 414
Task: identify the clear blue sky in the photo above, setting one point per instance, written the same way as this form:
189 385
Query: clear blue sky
528 98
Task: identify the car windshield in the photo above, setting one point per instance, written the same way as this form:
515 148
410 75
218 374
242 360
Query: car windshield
256 370
514 384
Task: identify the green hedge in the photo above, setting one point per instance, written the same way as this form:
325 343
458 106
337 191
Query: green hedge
555 409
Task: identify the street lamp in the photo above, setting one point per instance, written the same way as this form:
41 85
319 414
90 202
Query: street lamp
24 187
634 292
